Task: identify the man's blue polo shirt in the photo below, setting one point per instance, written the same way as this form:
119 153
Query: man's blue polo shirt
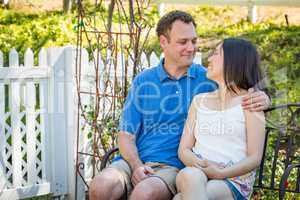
156 108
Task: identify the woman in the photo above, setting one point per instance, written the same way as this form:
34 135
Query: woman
222 144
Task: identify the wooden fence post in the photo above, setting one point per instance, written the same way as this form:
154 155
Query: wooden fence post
71 102
15 122
57 118
30 103
2 132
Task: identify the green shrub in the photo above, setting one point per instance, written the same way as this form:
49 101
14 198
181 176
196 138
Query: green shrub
27 30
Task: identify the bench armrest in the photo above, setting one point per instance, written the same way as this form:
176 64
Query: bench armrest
284 178
107 156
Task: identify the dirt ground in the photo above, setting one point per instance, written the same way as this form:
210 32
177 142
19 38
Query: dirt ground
263 12
36 5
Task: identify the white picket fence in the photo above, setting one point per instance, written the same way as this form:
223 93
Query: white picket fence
35 143
38 109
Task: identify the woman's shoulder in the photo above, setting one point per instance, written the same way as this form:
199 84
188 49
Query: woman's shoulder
204 95
201 96
200 99
254 116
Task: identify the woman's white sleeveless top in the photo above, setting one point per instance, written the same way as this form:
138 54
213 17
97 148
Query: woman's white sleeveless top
221 135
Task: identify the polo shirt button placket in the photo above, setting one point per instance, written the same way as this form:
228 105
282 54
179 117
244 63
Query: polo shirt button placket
178 86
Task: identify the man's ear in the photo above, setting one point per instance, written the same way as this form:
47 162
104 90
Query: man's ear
163 40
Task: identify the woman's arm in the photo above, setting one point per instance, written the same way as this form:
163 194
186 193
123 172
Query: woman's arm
255 127
188 139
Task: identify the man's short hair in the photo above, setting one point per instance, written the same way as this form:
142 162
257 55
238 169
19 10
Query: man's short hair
164 25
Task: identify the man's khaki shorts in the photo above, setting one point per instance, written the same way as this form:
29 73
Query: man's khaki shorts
165 172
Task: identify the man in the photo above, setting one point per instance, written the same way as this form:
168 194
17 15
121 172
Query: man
154 114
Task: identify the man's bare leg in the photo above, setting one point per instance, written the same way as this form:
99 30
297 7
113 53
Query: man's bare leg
107 185
152 188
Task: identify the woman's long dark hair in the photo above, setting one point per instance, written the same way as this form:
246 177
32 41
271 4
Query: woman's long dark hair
241 65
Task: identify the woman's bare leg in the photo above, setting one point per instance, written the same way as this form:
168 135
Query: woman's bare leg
191 183
218 190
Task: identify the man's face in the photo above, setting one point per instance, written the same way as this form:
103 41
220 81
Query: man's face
180 47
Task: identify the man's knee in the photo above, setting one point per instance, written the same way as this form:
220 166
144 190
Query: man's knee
106 185
143 193
150 189
190 175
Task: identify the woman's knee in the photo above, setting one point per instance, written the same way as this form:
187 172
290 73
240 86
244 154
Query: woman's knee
217 190
191 175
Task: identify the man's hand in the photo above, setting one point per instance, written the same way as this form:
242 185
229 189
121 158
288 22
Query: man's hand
256 101
140 173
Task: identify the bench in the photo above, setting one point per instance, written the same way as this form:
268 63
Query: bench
281 155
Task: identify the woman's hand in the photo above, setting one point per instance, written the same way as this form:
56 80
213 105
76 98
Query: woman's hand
213 171
200 163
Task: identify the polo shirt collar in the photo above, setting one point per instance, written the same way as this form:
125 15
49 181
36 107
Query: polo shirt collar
163 75
192 71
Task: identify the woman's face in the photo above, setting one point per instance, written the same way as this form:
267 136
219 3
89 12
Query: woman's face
216 65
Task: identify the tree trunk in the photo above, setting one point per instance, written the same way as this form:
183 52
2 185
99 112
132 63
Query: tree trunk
67 5
109 22
5 3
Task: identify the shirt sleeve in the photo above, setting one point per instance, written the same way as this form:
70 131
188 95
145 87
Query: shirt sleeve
207 85
131 117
